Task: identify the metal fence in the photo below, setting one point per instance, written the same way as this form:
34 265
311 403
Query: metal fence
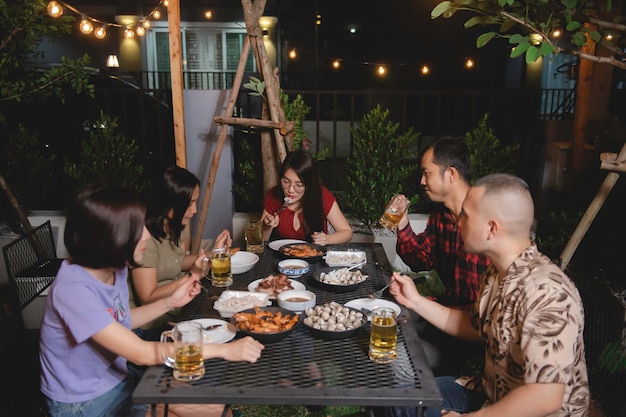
605 347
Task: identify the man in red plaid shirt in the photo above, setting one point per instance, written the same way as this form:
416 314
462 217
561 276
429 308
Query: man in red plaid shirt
445 178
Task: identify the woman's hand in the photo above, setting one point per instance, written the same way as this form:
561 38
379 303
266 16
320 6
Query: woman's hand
223 240
270 220
319 238
187 287
245 349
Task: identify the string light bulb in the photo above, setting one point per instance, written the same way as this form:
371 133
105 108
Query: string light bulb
146 24
166 3
85 25
336 64
156 14
425 70
55 9
381 70
469 63
140 30
208 14
101 32
128 34
293 54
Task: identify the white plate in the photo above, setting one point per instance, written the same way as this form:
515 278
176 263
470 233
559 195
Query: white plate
295 284
276 244
371 304
219 335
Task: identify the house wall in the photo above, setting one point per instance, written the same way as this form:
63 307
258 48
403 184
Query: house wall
201 136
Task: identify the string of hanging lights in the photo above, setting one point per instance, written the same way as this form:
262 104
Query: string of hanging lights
89 24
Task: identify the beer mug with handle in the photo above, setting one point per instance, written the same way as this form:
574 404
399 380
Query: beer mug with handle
181 350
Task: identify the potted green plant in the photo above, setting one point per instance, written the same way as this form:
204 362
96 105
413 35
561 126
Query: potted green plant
382 162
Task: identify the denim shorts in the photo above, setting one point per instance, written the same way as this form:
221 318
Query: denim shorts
116 402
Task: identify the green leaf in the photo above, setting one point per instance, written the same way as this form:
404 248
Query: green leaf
532 54
473 22
483 39
254 79
570 4
440 9
520 49
507 25
517 38
595 36
546 49
579 39
573 25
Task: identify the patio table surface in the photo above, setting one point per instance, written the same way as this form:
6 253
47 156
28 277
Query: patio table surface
302 369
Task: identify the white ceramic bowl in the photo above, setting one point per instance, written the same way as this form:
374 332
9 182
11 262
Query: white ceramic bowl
296 300
293 268
243 261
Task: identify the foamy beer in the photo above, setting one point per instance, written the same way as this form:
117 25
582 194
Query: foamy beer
383 335
181 349
221 275
397 206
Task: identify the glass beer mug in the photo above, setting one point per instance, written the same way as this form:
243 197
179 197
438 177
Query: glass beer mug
397 206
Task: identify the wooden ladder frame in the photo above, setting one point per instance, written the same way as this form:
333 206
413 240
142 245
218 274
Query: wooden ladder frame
273 115
616 163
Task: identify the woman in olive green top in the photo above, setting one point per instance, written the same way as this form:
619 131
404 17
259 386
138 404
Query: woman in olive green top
171 206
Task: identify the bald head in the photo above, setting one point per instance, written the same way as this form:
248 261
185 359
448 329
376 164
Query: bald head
507 198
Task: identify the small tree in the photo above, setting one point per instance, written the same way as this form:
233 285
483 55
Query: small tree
107 155
381 161
487 154
23 25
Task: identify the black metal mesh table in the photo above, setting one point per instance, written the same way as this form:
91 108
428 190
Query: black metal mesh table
301 369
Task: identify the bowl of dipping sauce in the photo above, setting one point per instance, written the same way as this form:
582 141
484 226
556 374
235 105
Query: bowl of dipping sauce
293 268
296 300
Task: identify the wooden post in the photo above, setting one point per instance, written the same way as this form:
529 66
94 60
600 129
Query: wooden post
176 69
206 200
592 211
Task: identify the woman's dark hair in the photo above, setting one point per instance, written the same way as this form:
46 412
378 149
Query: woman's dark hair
173 192
104 224
449 151
304 166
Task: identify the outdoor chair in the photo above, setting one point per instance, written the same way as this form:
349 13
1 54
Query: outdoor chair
32 263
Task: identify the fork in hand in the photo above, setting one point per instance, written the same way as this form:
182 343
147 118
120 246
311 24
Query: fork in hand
379 293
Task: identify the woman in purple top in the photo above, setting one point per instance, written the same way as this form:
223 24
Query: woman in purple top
86 338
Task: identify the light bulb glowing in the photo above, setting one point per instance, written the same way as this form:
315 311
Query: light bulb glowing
156 14
556 33
85 25
55 9
336 64
166 3
425 70
609 37
101 32
146 24
208 14
381 70
140 31
128 34
469 63
293 54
